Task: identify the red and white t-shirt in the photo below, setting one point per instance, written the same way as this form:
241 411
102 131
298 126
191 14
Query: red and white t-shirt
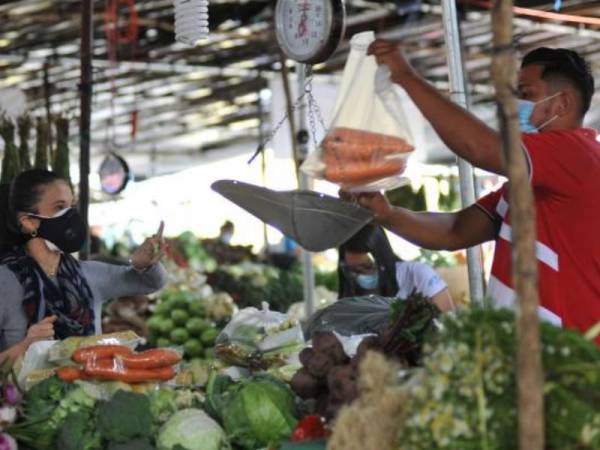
565 176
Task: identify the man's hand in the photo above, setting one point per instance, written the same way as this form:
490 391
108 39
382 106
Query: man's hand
389 53
40 331
376 202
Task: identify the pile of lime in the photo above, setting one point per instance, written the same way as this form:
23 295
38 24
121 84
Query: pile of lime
179 319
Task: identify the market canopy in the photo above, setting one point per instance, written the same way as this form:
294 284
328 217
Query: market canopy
180 101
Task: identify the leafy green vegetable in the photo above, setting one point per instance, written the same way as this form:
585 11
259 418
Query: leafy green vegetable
464 396
134 444
78 432
216 388
162 404
46 407
191 429
412 321
125 416
258 412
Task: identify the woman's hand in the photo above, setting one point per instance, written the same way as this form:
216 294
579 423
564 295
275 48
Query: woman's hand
40 331
150 252
389 53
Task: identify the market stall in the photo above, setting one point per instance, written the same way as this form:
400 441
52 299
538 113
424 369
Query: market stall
225 357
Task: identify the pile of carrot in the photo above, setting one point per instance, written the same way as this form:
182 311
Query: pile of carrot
355 157
120 363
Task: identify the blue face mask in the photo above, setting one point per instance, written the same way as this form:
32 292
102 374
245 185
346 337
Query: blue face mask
525 111
368 281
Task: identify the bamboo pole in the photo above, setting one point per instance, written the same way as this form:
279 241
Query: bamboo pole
524 268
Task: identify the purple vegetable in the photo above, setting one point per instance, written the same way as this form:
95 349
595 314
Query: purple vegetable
7 442
11 394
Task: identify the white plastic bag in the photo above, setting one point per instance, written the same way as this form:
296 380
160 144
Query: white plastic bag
259 339
35 362
369 139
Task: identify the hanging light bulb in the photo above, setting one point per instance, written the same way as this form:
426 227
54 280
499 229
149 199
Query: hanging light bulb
191 21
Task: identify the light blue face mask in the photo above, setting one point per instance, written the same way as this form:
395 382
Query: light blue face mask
526 108
368 281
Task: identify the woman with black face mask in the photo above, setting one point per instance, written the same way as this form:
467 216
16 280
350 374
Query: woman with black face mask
45 292
368 265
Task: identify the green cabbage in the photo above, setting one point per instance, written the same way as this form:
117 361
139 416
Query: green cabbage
191 429
259 412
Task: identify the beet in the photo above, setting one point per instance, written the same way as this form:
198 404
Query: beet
342 383
327 342
321 403
319 365
305 385
305 356
333 408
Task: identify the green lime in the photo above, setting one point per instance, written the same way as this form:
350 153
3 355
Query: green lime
163 342
179 316
181 300
197 326
209 353
208 336
166 327
154 324
179 335
193 347
197 309
162 309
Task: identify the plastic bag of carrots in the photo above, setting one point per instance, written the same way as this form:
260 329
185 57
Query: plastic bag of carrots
369 138
120 363
62 351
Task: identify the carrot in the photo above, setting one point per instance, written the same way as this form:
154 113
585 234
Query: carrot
359 136
107 370
70 373
363 173
350 151
81 355
363 138
151 359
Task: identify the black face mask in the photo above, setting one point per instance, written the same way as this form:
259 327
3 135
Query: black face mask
66 231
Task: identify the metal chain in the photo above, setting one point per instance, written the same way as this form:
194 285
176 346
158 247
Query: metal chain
313 110
275 129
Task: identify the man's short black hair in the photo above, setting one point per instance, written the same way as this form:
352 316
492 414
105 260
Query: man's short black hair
567 64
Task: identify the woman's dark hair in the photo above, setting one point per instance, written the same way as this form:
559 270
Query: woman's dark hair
567 65
370 239
21 195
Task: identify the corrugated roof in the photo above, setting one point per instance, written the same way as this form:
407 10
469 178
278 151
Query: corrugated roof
179 91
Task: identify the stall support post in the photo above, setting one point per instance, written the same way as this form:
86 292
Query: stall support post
529 373
85 86
465 170
302 140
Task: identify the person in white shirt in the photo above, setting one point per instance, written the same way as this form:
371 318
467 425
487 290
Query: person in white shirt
368 265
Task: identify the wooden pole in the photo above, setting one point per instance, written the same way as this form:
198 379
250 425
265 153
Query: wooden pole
87 37
530 375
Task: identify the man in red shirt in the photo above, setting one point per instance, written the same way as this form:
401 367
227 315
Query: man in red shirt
555 88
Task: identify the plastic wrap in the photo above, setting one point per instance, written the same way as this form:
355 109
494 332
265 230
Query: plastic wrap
369 139
62 351
352 316
259 339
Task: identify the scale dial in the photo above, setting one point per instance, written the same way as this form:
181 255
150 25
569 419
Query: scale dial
309 31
